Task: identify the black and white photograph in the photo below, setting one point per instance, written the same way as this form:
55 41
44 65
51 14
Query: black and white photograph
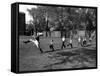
56 37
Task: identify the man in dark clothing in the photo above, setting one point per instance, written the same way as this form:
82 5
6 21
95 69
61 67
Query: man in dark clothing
35 40
51 45
63 42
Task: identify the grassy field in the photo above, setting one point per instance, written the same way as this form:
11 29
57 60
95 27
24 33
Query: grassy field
31 59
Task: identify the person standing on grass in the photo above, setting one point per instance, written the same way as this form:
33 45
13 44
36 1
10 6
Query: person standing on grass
51 45
63 42
70 43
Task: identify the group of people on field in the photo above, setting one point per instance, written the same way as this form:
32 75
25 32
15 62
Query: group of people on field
81 42
36 41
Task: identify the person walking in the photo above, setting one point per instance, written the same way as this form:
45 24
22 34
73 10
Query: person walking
51 45
79 41
63 42
70 43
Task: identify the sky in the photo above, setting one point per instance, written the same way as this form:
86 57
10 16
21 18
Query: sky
23 8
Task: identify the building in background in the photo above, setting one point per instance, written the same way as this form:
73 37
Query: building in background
22 25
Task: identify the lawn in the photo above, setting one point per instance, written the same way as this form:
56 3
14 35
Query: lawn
31 59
